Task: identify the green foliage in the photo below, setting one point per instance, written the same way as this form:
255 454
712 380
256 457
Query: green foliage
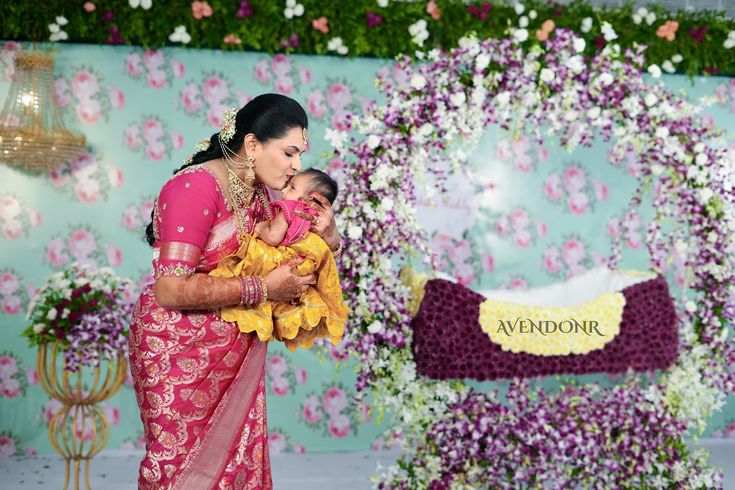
268 27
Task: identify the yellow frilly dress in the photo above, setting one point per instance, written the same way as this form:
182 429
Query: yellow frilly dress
321 312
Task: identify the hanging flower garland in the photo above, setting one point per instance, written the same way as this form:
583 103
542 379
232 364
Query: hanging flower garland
624 436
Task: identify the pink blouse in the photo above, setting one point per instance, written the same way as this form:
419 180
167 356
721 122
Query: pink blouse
297 226
194 224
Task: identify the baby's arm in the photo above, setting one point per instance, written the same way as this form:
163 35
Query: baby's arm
273 233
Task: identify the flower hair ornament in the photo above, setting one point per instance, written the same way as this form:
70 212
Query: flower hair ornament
227 130
201 146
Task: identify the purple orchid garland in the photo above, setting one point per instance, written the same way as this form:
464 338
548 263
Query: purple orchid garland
451 98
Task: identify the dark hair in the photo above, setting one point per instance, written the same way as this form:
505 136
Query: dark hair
322 183
267 116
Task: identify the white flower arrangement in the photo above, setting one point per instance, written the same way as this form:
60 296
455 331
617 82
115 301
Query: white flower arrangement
418 32
144 4
57 34
293 9
336 44
180 35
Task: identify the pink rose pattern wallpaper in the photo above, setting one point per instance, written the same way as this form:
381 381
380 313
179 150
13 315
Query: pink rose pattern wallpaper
538 215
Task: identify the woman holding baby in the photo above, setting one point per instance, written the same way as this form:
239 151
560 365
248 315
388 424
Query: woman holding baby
199 380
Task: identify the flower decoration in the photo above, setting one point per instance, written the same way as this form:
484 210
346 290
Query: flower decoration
480 11
89 7
608 32
232 39
293 9
546 28
697 33
668 30
244 10
643 14
730 41
144 4
201 9
433 10
321 24
55 29
227 130
85 311
418 32
180 35
373 19
586 25
336 44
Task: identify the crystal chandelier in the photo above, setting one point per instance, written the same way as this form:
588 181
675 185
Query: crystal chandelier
33 137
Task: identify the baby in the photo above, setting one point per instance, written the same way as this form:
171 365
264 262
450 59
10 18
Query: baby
321 312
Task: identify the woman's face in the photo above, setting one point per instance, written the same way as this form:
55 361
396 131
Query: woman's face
277 160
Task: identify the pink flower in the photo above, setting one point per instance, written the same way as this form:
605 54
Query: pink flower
87 190
146 207
551 260
156 79
10 388
56 252
522 238
30 452
488 262
598 259
520 148
338 354
154 59
334 400
600 190
84 429
284 85
243 98
8 283
542 153
132 137
280 386
232 39
301 375
502 226
7 447
178 68
460 252
115 176
634 240
152 129
61 93
518 283
339 426
9 208
114 255
117 97
298 448
281 65
84 85
377 444
8 367
35 218
276 442
177 139
13 229
321 24
32 376
578 203
276 366
304 74
214 90
50 409
133 65
262 71
523 163
155 150
112 414
366 412
574 179
573 252
338 96
541 228
214 115
552 187
464 274
81 244
503 150
89 7
311 411
89 111
11 305
519 218
340 121
613 227
190 98
201 9
575 270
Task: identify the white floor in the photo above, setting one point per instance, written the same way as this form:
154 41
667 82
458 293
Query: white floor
117 470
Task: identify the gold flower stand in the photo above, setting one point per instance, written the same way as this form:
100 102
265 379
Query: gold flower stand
69 429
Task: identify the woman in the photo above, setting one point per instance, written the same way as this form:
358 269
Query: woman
198 380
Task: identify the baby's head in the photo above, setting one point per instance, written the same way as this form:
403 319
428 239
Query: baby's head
310 180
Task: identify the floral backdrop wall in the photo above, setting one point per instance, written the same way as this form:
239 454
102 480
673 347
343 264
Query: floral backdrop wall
527 217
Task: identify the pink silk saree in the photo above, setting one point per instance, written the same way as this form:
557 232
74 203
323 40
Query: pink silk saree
198 380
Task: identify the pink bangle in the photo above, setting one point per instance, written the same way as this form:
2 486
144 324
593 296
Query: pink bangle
243 291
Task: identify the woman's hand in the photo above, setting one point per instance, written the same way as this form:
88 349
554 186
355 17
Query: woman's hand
284 285
323 223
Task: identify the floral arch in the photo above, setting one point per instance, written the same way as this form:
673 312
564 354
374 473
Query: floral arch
629 435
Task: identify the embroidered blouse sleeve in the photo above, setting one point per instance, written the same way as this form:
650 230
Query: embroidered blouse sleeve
186 210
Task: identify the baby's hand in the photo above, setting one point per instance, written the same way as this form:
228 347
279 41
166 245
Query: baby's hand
260 227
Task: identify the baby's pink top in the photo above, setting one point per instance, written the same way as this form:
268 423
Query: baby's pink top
298 227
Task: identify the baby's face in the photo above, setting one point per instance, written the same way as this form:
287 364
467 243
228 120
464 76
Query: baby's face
297 187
